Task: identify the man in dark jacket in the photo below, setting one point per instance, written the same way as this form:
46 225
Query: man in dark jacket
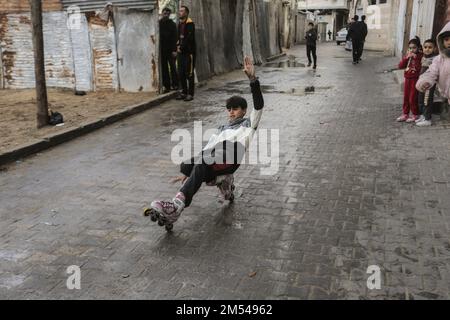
355 34
311 44
365 31
186 54
168 40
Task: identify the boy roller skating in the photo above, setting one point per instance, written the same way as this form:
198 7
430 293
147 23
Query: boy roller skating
220 158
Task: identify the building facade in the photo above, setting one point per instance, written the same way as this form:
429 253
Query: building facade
330 15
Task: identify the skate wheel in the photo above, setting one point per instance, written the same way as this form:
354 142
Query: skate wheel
154 217
232 198
161 223
169 227
147 212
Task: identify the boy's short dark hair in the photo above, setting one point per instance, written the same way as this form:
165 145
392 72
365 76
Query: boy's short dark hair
311 24
236 102
432 41
166 9
186 8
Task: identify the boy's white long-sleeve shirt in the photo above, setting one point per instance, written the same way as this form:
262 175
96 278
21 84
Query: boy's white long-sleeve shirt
241 130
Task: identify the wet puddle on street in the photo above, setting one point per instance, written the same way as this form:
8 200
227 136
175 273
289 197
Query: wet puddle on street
285 64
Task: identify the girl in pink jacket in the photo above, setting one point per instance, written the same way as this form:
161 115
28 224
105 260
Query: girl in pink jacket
439 71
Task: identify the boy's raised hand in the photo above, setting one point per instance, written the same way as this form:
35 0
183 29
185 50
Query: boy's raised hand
249 68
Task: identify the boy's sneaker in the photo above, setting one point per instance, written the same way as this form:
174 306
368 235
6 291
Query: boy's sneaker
421 118
424 123
189 98
412 119
402 118
170 211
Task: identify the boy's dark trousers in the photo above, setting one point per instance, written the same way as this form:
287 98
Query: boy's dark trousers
186 67
356 49
169 77
204 168
426 105
310 49
199 173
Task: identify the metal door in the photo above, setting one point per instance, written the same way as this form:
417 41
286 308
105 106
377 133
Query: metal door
136 49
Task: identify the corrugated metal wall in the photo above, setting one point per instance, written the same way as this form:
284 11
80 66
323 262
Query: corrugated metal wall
59 67
84 58
104 54
17 47
87 5
82 54
17 51
226 30
18 6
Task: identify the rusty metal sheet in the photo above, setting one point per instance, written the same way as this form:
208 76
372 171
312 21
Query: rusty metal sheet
104 54
59 66
17 51
17 55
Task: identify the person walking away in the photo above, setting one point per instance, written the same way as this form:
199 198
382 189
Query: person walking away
168 38
365 32
186 55
439 71
355 33
311 44
412 63
426 98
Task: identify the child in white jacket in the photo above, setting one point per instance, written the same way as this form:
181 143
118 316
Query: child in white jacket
220 157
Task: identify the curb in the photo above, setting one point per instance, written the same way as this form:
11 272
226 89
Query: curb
275 57
85 128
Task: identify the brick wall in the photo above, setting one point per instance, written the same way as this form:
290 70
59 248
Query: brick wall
23 5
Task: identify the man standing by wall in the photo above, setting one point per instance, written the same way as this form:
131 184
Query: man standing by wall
168 36
311 44
186 55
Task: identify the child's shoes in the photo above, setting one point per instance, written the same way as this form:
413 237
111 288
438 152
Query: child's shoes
402 118
170 211
412 119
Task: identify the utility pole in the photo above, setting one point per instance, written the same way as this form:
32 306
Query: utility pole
39 63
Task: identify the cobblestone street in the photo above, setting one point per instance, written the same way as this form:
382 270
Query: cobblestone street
354 189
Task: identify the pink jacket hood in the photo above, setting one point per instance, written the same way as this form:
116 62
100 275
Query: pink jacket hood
440 41
439 71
